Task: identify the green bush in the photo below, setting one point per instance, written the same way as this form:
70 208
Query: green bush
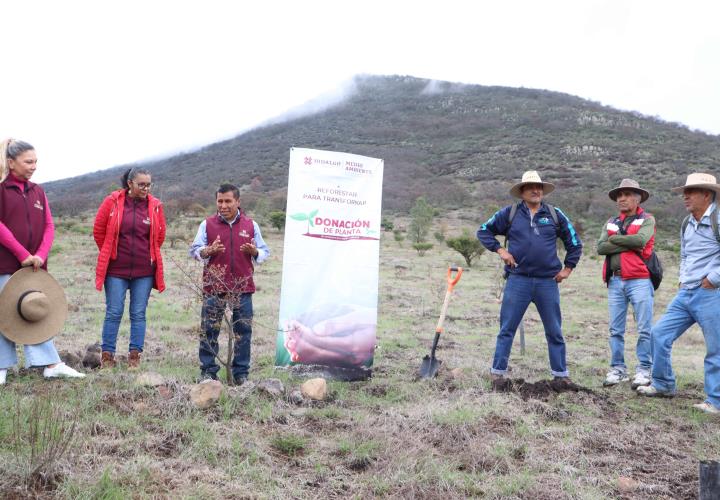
422 248
466 245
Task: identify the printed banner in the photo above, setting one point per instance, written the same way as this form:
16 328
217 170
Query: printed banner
328 301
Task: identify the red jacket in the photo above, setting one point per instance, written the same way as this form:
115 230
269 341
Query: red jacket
107 228
632 265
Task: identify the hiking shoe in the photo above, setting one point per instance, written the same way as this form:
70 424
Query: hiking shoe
61 370
640 378
615 376
652 392
707 408
108 360
134 359
3 376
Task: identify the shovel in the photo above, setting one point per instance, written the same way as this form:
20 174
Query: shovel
430 364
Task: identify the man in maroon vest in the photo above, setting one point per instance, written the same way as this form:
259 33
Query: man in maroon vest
230 244
627 241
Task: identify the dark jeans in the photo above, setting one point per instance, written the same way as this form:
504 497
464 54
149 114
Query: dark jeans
213 310
545 294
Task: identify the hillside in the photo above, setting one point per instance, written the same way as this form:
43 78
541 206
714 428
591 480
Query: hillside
458 145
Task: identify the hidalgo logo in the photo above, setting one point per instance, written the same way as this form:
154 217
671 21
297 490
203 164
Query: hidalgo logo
243 234
308 160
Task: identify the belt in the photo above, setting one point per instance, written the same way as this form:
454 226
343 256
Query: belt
617 273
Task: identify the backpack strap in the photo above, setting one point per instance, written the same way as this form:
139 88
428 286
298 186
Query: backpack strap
513 212
713 225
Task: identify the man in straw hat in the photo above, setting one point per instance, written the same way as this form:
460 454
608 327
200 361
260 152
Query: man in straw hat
30 310
627 240
698 300
533 270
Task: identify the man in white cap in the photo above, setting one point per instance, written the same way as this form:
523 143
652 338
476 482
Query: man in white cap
627 241
531 228
698 300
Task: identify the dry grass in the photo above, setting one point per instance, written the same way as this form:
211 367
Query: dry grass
451 437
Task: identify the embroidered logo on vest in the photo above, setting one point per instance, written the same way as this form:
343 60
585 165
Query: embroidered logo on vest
37 204
146 221
243 234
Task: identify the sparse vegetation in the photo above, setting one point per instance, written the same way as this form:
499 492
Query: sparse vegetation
392 436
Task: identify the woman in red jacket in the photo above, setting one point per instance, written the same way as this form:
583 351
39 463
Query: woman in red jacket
129 231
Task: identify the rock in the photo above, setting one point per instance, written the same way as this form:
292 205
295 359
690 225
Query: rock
149 379
71 359
272 387
627 484
296 397
206 393
93 347
164 391
91 360
315 388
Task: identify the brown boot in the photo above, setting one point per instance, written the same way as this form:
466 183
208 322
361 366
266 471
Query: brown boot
107 360
134 359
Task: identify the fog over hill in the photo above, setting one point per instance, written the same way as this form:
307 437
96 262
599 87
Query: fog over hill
458 145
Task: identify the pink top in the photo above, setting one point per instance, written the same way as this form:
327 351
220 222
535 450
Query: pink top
8 240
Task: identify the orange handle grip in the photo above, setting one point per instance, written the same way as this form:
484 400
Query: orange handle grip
452 280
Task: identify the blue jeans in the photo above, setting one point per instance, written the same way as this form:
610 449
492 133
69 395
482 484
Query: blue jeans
701 306
41 354
639 293
213 310
115 291
545 294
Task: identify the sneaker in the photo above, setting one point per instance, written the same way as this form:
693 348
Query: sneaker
61 370
108 360
640 378
3 376
707 408
615 376
652 392
134 359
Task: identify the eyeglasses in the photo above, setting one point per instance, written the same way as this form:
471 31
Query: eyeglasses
143 185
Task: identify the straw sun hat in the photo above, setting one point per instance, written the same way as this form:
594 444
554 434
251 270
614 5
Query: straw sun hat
531 177
33 307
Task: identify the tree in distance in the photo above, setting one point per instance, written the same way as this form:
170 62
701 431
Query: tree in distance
466 245
422 247
421 217
277 219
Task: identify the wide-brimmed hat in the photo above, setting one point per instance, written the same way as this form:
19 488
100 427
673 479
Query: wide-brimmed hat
33 307
531 177
699 181
631 185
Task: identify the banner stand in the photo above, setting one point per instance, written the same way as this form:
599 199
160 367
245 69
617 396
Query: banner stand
327 320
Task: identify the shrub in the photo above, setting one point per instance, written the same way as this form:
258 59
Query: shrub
466 245
277 219
422 248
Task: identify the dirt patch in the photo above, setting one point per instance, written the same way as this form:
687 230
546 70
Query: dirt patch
542 389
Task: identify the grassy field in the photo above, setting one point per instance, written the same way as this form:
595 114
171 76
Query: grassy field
451 437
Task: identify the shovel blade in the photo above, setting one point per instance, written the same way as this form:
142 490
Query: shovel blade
429 367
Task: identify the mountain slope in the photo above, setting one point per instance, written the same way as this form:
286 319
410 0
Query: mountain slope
457 145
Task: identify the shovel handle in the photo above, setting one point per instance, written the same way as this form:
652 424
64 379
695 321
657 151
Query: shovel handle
451 281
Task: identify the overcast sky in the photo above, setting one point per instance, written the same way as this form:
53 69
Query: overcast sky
97 84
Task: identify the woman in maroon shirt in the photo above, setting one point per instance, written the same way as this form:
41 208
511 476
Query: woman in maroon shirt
129 230
26 235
